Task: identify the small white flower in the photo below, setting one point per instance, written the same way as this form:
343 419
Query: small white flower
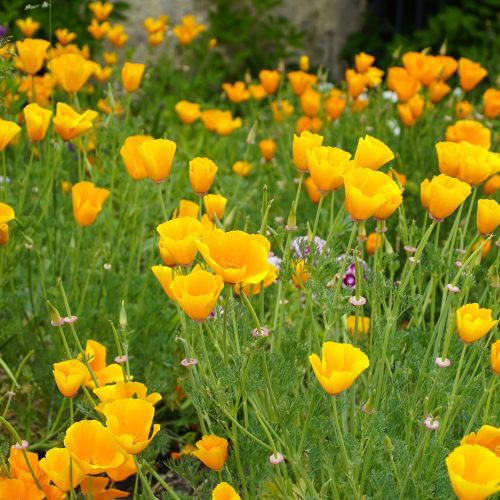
442 363
276 458
432 424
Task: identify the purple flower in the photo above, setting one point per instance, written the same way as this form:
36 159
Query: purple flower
349 281
274 260
349 278
303 247
4 31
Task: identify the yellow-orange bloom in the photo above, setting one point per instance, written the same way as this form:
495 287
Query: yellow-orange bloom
64 36
93 447
463 109
374 241
370 193
70 124
197 292
201 175
58 466
310 102
267 149
281 110
488 216
20 490
270 79
95 486
154 39
448 66
153 25
188 112
487 436
212 451
28 26
132 76
423 67
31 53
362 326
491 103
19 468
224 491
443 195
187 208
339 366
72 71
474 472
130 421
165 276
236 256
258 92
301 144
373 77
104 373
470 73
132 158
110 58
37 121
328 166
438 90
473 322
312 190
363 62
97 30
250 289
124 390
495 357
372 153
215 204
356 83
470 131
299 273
6 214
236 92
8 132
101 10
87 202
117 36
69 376
401 82
301 81
242 168
334 107
468 162
304 63
157 156
492 185
178 240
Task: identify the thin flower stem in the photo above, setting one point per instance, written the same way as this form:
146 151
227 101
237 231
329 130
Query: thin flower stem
161 481
18 440
145 484
343 450
318 213
162 202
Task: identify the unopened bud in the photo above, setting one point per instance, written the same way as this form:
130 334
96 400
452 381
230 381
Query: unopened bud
252 133
55 317
388 444
123 316
291 223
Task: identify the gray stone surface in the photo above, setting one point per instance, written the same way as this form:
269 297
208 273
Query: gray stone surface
327 23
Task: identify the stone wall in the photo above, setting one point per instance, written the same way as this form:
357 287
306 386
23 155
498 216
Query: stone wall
327 23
